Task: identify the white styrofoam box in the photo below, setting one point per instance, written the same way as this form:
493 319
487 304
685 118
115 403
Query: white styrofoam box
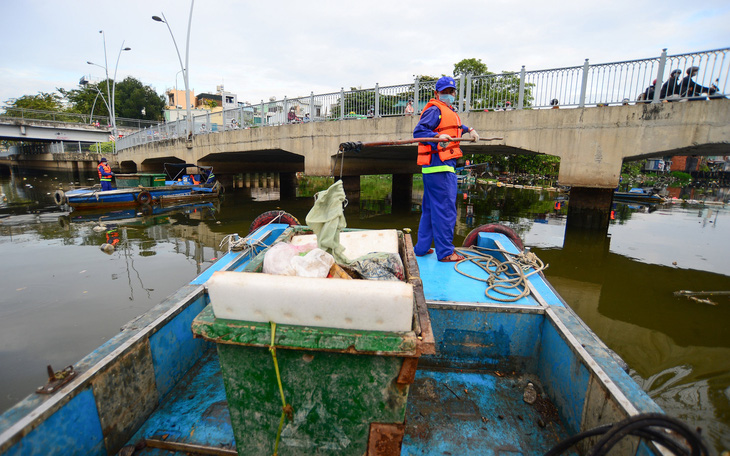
359 243
372 305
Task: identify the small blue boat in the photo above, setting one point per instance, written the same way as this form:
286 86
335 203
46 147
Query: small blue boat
482 366
638 195
180 183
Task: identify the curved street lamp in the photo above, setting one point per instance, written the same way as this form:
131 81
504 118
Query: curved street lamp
183 68
110 105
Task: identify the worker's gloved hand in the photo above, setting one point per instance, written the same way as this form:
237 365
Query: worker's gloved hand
474 134
353 146
444 138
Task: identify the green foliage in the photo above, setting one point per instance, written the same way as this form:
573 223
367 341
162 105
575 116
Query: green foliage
375 187
546 165
131 96
632 168
680 176
86 98
473 67
43 102
106 148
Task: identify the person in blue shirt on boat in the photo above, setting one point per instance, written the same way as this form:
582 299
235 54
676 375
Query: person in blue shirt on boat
105 175
438 160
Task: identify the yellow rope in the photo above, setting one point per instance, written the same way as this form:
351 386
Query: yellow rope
286 409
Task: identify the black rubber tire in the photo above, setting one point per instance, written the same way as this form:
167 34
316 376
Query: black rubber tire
59 197
471 238
273 217
144 197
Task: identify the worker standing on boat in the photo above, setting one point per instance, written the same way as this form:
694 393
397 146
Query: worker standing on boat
105 175
438 160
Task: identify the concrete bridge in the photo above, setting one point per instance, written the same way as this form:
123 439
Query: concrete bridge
592 143
39 130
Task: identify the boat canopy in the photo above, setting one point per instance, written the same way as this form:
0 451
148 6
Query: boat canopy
175 171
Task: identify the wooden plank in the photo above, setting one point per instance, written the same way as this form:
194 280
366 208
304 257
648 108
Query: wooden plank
426 343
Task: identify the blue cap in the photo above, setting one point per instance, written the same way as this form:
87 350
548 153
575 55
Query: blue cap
102 160
444 83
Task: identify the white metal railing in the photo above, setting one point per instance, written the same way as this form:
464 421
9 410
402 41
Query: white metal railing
579 86
72 118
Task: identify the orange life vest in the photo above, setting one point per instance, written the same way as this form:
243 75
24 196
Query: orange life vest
451 125
107 169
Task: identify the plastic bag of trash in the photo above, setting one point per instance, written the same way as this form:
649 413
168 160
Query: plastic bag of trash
316 263
278 259
379 266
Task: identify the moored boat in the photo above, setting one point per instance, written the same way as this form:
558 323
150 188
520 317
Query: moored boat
477 369
180 183
638 195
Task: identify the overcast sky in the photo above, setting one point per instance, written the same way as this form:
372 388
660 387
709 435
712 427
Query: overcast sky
289 48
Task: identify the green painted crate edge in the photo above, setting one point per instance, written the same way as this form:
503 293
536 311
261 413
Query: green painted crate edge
255 334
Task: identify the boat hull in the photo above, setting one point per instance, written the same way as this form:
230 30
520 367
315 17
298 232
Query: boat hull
132 197
155 384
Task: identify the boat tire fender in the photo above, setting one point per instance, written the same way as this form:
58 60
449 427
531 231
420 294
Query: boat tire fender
473 236
59 197
273 217
145 210
144 197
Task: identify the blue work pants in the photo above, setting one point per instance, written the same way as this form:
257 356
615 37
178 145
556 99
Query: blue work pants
106 185
438 214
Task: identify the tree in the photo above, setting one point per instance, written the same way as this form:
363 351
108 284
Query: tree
474 67
132 97
87 98
43 102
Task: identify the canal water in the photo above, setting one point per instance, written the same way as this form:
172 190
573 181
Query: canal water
62 296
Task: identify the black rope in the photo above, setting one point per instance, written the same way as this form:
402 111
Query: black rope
639 426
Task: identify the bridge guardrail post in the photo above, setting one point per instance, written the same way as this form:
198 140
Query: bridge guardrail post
468 92
584 85
286 110
521 99
461 94
311 106
417 108
377 100
660 76
342 103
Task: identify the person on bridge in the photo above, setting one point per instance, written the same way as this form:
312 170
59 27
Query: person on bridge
689 88
105 175
438 160
670 89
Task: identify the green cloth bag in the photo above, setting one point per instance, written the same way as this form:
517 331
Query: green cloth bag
327 219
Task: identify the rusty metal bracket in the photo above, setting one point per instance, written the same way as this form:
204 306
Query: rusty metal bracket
56 380
385 439
407 374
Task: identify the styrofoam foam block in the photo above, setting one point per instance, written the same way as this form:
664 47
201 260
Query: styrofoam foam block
359 243
371 305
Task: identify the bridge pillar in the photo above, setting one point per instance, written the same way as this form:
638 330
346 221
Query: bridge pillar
589 209
402 190
287 185
351 184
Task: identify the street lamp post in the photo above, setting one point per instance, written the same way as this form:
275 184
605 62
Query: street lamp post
110 95
183 68
114 90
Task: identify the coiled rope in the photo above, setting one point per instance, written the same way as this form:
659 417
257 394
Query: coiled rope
506 279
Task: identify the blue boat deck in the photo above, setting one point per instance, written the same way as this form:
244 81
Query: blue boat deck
194 413
448 412
454 412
